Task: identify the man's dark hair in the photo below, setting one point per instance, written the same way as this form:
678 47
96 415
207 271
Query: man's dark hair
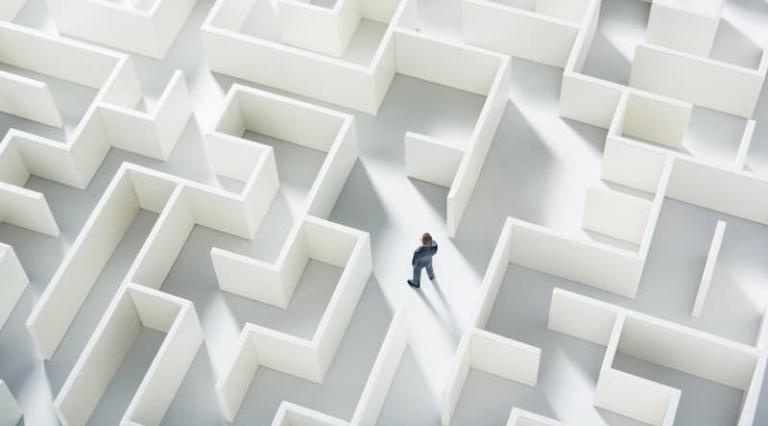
426 238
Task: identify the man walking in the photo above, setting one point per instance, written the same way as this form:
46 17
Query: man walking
422 258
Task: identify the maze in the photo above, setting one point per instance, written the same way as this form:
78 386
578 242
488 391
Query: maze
207 210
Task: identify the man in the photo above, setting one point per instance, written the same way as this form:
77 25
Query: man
422 258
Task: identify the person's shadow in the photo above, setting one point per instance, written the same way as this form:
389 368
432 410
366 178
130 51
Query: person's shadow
448 322
441 295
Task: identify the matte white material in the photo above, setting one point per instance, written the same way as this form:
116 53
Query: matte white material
10 412
248 109
691 351
13 282
630 395
493 354
464 68
320 29
722 188
581 260
431 160
148 32
520 417
261 60
709 269
133 307
506 29
685 26
660 67
699 80
616 214
157 130
479 145
180 203
582 317
637 109
268 283
290 414
633 164
375 390
589 100
582 97
577 259
402 50
383 372
494 275
632 116
260 112
305 358
732 192
637 398
505 357
111 120
10 8
657 341
752 395
744 145
28 98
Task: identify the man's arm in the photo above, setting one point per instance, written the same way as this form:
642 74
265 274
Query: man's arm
434 248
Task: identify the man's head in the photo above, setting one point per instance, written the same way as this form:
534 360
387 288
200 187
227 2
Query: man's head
426 239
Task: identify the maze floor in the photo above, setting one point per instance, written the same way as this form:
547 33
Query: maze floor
538 169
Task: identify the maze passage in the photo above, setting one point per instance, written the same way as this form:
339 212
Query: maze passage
285 157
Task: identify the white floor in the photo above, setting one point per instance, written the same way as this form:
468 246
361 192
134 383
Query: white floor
538 169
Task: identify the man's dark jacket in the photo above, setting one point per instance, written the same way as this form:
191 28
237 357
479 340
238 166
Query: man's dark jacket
424 253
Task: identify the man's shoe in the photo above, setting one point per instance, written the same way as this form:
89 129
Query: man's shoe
432 278
410 283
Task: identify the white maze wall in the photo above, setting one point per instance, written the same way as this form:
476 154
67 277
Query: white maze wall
268 126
